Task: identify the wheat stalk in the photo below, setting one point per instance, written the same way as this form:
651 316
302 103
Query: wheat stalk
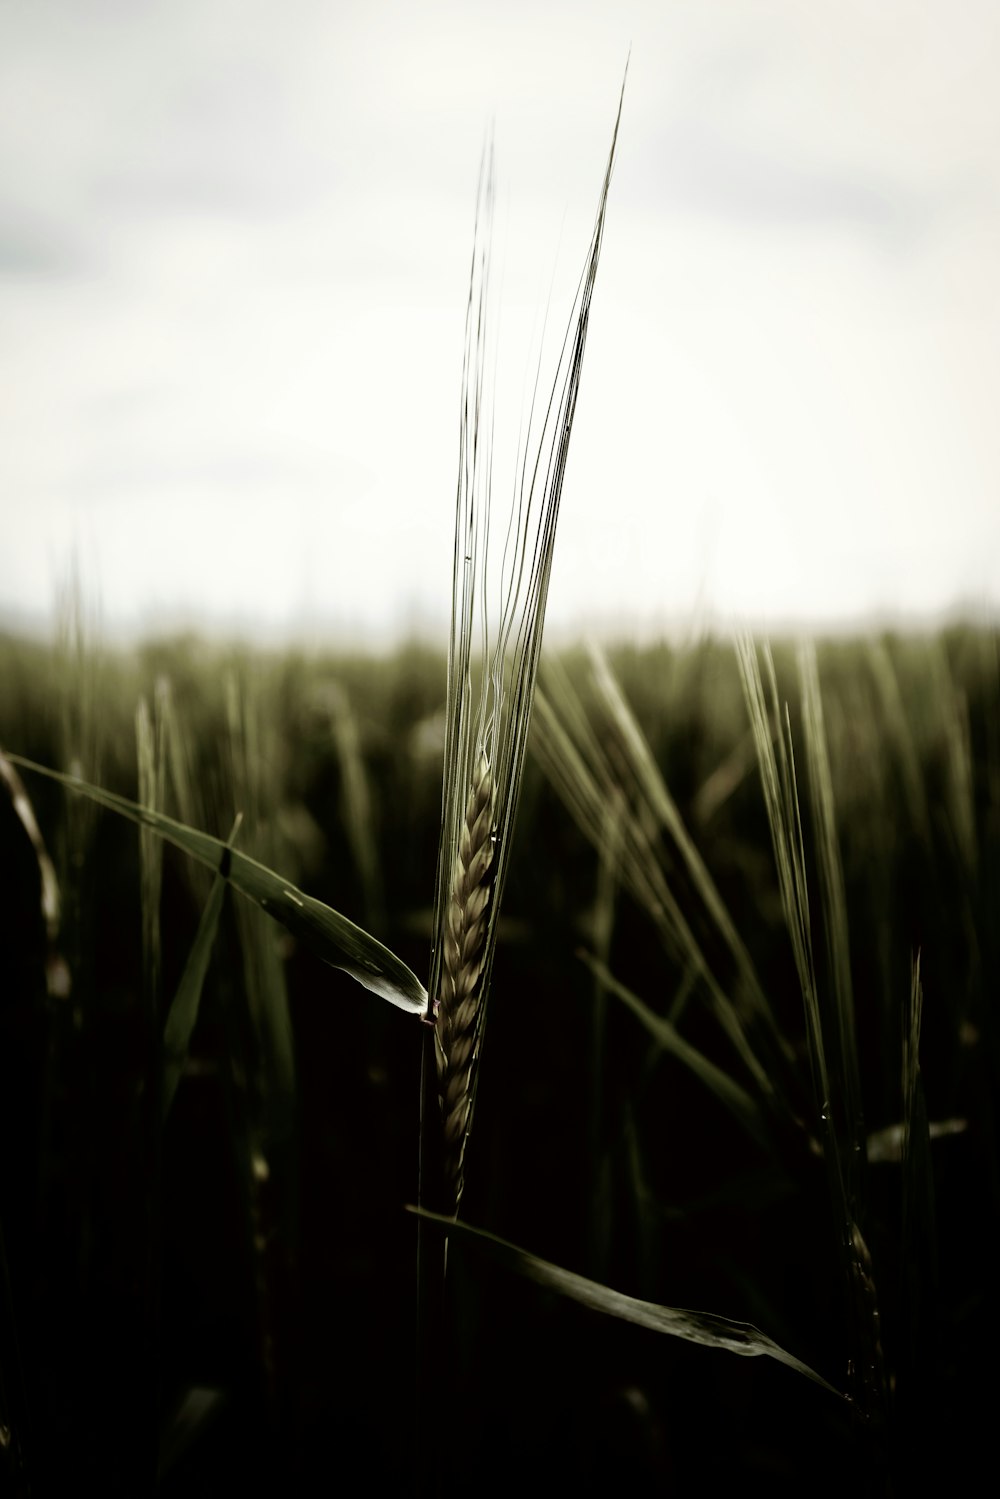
498 614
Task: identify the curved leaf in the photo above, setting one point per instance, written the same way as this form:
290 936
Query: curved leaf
331 936
694 1327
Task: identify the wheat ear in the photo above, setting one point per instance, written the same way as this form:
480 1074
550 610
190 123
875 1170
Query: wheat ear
461 990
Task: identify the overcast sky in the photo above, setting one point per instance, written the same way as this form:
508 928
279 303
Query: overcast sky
234 249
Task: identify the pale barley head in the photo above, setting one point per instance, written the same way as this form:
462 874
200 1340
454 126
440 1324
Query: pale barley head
461 993
496 632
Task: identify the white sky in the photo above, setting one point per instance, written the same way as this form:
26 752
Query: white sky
234 248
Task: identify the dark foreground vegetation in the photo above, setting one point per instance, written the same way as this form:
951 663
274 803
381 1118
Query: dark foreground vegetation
211 1290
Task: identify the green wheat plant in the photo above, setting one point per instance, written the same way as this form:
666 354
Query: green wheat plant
497 619
492 669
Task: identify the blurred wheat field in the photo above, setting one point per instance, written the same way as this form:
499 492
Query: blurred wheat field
225 1303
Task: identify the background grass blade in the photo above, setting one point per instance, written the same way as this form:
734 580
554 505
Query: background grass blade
918 1228
585 781
183 1014
749 994
56 972
834 901
772 732
151 762
703 1328
357 804
335 939
255 789
729 1093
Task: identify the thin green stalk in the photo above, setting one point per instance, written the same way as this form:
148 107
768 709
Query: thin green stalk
602 932
776 758
151 763
834 900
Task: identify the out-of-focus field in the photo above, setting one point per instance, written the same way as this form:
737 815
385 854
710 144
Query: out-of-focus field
228 1302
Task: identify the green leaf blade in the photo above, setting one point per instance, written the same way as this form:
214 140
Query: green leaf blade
183 1014
704 1328
332 936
